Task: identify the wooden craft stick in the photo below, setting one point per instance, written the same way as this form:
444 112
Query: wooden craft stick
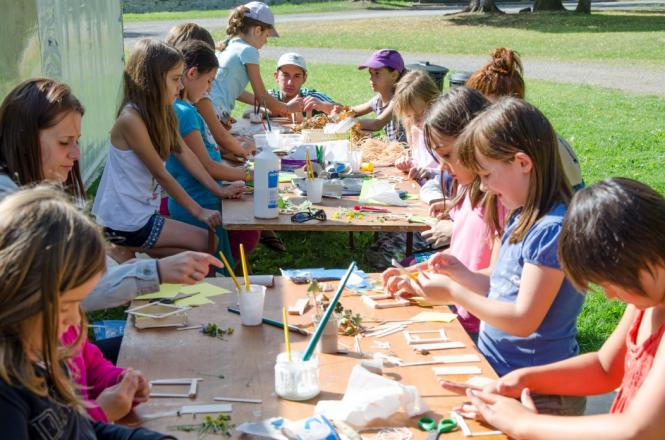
237 399
450 371
467 431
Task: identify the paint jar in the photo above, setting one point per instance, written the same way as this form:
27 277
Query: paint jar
298 379
328 341
251 305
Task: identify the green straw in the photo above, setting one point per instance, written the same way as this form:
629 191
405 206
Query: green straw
326 315
265 110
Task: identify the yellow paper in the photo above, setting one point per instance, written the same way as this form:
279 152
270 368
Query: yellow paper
165 291
421 302
206 290
434 317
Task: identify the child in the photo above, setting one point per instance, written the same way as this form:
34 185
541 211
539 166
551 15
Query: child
51 256
414 93
180 34
502 76
386 67
613 236
527 307
249 27
51 116
200 68
143 137
472 239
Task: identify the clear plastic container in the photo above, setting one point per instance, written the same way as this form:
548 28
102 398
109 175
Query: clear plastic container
296 380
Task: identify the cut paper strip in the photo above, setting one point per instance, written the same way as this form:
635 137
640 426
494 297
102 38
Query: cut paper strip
165 291
206 409
463 369
438 346
434 317
456 358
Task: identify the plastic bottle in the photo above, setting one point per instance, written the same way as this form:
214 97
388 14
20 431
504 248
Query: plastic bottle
266 184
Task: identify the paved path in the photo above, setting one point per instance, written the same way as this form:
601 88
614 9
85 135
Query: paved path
640 79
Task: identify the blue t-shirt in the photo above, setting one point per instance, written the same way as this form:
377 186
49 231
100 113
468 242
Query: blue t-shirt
232 78
189 120
555 339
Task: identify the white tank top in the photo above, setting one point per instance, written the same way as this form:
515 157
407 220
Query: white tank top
128 194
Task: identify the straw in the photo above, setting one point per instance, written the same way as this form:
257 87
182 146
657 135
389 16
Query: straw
326 315
245 273
230 271
286 333
308 165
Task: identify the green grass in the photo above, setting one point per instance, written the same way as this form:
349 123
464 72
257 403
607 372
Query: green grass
290 8
615 36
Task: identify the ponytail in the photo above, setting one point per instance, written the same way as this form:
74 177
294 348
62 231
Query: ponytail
502 76
239 24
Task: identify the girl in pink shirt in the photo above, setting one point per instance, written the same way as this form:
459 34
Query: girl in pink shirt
613 236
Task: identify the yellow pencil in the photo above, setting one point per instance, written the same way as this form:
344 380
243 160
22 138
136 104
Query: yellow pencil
286 333
245 273
229 269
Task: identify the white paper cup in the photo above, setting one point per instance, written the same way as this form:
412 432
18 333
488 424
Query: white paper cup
315 190
355 160
251 305
296 380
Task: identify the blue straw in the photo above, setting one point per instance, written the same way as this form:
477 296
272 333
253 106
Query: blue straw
326 315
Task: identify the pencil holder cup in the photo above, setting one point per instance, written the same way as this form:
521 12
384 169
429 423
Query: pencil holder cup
298 379
328 341
251 305
355 160
314 190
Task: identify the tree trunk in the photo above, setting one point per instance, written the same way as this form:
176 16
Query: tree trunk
482 6
548 5
584 6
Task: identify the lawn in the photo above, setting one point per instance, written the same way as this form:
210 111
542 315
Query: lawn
290 8
613 36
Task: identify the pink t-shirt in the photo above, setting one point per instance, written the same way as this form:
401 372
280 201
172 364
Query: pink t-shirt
421 157
471 243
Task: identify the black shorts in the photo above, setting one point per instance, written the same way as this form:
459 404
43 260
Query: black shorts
146 237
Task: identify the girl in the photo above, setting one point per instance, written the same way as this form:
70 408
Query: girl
527 307
249 27
40 124
613 236
386 67
414 93
51 256
142 138
200 69
472 239
503 76
180 34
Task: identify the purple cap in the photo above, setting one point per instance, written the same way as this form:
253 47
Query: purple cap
384 58
261 12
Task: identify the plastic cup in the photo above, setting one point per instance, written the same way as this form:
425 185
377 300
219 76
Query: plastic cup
328 341
260 141
273 137
296 380
315 190
251 305
355 160
255 118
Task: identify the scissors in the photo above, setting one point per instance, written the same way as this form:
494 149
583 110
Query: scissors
173 300
429 424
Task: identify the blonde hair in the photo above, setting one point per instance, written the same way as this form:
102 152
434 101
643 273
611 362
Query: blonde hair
47 247
502 76
512 126
184 32
144 89
413 86
240 24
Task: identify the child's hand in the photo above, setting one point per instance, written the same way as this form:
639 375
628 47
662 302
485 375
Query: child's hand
387 274
186 267
502 412
439 210
403 163
295 105
142 390
210 217
509 385
116 401
234 190
446 264
439 234
416 173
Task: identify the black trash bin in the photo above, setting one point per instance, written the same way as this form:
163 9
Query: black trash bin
437 73
459 78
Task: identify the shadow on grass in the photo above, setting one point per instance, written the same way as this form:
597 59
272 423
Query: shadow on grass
567 21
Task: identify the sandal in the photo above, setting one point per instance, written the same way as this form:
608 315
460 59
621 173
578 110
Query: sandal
272 241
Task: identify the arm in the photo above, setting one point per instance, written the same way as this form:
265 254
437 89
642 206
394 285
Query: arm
217 170
380 121
100 372
260 92
246 97
362 109
222 136
193 165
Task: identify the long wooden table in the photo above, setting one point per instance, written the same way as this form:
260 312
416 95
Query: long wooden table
242 365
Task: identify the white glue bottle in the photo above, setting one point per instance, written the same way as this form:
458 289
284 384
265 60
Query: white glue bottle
266 184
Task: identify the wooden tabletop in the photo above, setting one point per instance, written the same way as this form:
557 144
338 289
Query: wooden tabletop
239 213
242 365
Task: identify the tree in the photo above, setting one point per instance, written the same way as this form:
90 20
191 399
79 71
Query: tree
583 6
482 6
548 5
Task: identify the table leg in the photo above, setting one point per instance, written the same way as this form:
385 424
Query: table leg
351 243
409 244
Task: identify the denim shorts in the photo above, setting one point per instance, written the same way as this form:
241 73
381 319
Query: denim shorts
146 237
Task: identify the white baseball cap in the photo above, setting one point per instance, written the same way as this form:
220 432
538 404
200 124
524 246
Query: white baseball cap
292 58
259 11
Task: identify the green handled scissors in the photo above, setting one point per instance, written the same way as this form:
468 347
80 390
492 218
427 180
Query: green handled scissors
429 424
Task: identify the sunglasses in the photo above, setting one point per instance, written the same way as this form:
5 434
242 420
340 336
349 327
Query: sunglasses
302 217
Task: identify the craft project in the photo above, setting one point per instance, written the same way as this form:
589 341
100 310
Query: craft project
156 310
463 369
237 399
434 317
203 291
191 382
416 337
438 346
381 301
299 307
467 431
453 359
